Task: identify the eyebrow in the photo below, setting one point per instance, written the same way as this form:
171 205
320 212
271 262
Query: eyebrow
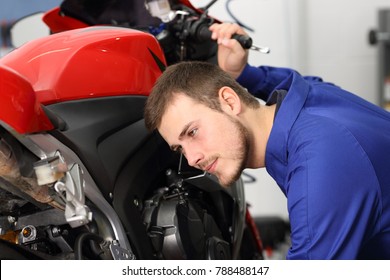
184 130
181 135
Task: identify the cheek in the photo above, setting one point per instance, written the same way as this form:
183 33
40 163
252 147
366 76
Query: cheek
220 137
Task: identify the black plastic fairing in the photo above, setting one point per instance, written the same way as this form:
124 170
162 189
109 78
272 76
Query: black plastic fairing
103 132
125 160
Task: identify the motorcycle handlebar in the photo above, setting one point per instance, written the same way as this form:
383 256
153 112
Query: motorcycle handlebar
205 34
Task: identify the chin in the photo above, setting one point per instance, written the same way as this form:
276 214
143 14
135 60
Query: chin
226 182
230 174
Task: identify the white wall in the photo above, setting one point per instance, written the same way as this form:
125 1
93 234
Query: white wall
337 43
327 38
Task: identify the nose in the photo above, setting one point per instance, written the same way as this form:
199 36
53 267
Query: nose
193 157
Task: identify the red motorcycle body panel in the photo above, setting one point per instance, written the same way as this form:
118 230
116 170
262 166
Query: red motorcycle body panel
82 63
58 22
19 108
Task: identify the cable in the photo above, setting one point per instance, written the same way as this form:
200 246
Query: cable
235 18
249 178
80 241
209 5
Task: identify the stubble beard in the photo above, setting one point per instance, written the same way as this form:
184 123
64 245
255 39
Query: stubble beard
240 156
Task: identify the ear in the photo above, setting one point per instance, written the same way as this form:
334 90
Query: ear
230 102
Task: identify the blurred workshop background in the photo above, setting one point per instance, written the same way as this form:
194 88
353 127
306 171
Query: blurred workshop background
346 42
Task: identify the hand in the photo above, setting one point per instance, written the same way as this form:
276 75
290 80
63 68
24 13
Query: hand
232 58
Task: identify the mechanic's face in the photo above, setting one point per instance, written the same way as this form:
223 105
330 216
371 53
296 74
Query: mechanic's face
212 141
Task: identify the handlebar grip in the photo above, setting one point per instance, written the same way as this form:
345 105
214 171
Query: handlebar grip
245 41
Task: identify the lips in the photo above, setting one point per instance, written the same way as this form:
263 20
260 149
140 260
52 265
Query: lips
211 167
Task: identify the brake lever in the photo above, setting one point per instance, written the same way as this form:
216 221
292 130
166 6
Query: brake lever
246 42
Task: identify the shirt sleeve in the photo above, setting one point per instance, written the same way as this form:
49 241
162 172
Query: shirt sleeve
262 81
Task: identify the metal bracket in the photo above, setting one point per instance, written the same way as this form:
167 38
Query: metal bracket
120 253
76 212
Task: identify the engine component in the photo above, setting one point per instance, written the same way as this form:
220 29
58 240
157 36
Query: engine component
70 189
49 170
10 173
180 225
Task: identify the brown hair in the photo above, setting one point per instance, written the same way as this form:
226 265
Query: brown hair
198 80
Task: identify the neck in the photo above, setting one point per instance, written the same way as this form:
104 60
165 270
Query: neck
259 124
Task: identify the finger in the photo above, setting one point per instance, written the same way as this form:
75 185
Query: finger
233 45
225 30
215 29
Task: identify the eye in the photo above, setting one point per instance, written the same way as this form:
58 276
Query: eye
193 132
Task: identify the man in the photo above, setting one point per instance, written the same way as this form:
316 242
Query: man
328 150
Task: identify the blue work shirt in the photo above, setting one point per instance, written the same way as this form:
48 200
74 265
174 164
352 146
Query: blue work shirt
329 152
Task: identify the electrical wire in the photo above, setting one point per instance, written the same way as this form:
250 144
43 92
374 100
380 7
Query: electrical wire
235 18
247 178
209 5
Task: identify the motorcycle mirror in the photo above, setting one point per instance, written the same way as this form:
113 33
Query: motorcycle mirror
28 28
160 9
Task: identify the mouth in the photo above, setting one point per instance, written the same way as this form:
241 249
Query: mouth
211 167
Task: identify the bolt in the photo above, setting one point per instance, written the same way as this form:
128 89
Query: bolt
11 219
27 231
115 242
56 231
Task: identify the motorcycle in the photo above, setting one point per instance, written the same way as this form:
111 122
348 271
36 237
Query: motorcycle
80 176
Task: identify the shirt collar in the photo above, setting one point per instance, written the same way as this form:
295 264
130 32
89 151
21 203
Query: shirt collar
276 157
